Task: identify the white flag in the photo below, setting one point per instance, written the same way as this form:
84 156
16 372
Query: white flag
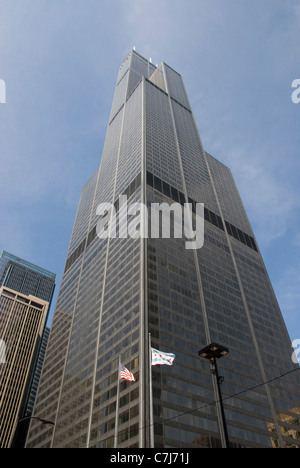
159 358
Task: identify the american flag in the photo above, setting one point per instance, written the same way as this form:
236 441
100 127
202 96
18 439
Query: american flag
126 375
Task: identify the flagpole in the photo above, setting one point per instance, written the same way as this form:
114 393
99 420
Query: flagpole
151 396
117 406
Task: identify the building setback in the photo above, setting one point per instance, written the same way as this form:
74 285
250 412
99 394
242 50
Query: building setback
26 292
22 321
116 291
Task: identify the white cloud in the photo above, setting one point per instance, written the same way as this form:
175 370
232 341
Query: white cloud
15 235
296 241
269 199
288 295
292 30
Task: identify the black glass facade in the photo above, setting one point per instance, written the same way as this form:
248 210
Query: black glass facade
26 278
115 291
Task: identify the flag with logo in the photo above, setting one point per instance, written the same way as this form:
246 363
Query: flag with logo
159 358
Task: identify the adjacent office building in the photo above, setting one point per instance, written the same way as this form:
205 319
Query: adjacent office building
37 374
26 292
25 277
117 290
27 410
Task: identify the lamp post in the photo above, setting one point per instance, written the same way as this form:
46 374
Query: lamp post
22 428
213 353
42 420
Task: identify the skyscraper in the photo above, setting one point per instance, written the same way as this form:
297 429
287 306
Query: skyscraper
26 292
25 277
115 291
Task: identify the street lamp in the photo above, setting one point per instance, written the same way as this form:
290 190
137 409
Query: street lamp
42 420
213 352
22 428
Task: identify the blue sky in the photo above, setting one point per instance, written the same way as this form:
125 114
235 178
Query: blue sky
59 60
